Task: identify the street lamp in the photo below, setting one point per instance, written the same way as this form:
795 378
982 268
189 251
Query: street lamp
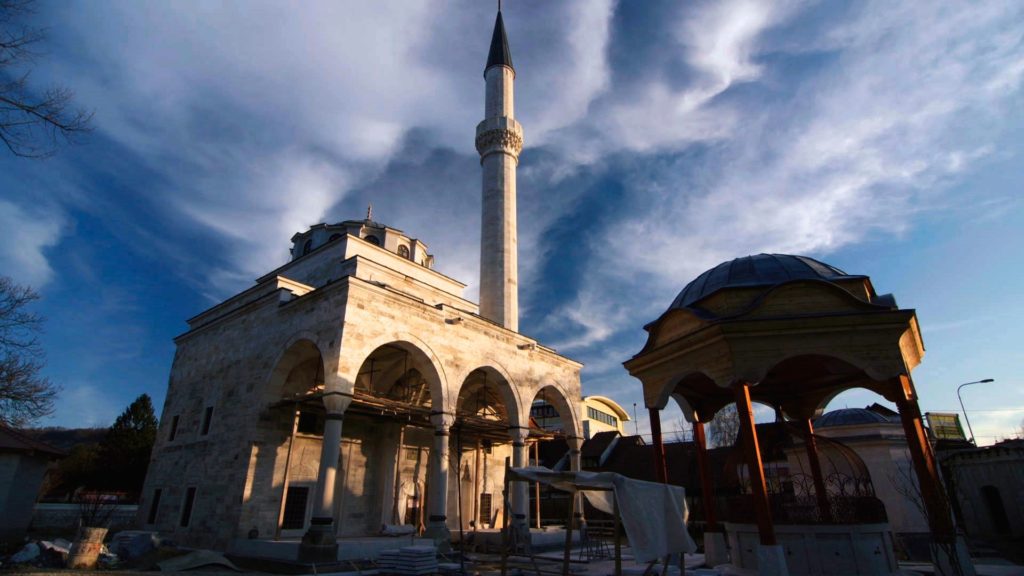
966 419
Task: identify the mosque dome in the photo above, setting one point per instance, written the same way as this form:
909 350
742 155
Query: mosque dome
850 417
765 270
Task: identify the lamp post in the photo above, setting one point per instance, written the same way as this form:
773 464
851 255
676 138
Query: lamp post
966 419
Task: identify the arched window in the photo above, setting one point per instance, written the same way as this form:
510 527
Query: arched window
334 237
373 240
307 247
403 250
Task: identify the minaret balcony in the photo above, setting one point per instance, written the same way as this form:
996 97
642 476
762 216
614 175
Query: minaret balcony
502 134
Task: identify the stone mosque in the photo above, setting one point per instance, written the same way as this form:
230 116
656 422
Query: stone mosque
355 388
354 391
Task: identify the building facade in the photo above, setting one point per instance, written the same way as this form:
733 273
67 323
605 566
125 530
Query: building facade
354 387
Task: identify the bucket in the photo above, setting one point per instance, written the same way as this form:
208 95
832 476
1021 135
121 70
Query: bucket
86 548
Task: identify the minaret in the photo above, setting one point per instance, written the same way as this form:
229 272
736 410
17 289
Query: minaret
499 138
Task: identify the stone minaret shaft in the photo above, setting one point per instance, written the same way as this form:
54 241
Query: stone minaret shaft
499 139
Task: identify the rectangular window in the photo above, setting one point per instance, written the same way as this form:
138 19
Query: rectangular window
154 507
186 507
310 423
608 419
207 418
485 508
174 429
295 508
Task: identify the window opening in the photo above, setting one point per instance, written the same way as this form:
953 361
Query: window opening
186 509
403 251
307 247
295 508
207 418
600 416
310 423
485 508
996 509
154 506
174 429
373 240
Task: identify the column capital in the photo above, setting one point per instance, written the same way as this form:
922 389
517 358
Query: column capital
336 402
575 443
442 421
518 434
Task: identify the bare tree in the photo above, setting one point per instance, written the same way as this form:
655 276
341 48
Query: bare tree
32 123
25 396
724 427
683 431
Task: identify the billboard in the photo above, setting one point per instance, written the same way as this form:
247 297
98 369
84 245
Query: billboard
945 426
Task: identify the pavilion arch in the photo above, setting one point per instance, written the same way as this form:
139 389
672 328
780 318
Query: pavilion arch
553 394
494 384
705 408
420 356
820 377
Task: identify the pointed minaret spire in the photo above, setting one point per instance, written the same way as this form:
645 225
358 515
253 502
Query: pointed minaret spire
499 139
499 54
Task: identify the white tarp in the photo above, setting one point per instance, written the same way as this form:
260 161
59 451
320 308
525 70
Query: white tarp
653 515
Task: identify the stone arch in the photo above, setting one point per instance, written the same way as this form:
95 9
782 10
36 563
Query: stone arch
555 395
503 388
302 348
423 358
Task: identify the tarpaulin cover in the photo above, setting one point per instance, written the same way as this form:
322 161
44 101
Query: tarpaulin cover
654 515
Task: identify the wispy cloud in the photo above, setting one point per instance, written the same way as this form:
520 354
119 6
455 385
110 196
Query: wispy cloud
25 235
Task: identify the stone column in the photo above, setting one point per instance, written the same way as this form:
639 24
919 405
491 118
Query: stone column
520 490
575 464
437 524
320 543
771 559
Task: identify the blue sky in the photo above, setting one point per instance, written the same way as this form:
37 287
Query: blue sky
661 139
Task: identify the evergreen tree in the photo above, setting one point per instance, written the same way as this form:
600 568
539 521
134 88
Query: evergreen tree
124 452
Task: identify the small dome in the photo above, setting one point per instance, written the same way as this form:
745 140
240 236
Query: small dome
850 417
761 270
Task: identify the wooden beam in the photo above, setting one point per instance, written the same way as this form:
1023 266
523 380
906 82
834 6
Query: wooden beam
758 489
824 510
660 469
935 501
707 487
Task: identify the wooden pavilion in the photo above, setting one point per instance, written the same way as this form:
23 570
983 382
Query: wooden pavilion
789 332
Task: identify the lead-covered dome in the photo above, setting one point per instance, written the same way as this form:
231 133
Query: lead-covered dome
760 270
850 417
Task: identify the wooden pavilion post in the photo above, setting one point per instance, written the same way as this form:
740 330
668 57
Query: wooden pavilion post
949 552
707 487
939 519
660 468
758 489
771 559
824 510
715 550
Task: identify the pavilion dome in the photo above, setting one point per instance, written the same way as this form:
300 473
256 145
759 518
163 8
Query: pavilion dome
850 417
765 270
